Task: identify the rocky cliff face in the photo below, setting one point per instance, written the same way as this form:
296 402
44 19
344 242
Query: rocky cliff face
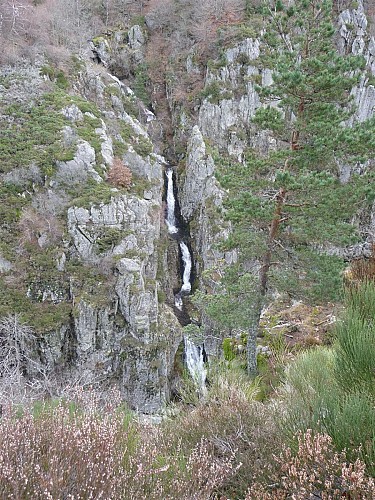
89 264
108 262
354 38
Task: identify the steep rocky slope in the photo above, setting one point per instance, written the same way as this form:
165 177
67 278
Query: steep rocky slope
84 262
89 265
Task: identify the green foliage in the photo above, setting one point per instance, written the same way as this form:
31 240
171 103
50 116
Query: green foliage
194 332
129 136
126 131
130 106
215 92
162 296
140 185
140 84
212 91
355 345
91 193
109 238
86 131
38 293
142 146
91 283
231 305
41 316
55 75
228 349
11 204
332 390
33 135
138 20
251 29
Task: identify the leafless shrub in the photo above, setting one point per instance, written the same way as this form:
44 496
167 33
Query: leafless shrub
13 17
50 202
18 359
161 13
24 176
72 172
119 174
211 15
16 347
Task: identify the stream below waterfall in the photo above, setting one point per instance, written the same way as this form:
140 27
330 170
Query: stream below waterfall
195 355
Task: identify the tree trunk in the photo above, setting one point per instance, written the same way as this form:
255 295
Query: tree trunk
263 280
252 337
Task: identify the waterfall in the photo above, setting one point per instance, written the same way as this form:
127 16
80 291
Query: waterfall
186 258
195 364
178 301
171 205
195 355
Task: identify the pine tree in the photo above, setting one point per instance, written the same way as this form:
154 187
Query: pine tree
289 206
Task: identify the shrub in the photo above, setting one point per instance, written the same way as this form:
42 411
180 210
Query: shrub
332 390
233 424
316 471
108 238
66 450
120 175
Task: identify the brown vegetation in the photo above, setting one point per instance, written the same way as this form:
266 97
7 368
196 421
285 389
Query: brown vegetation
38 229
316 471
119 174
361 270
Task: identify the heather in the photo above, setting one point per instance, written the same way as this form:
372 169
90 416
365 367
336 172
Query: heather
312 438
85 450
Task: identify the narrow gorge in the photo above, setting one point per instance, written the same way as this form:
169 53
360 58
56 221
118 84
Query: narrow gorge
194 355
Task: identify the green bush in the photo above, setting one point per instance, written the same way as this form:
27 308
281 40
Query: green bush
109 237
141 82
212 92
228 349
56 75
142 146
332 390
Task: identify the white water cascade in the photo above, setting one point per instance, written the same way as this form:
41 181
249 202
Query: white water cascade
186 258
194 354
171 205
195 364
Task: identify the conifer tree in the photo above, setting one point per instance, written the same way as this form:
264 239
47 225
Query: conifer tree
289 206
